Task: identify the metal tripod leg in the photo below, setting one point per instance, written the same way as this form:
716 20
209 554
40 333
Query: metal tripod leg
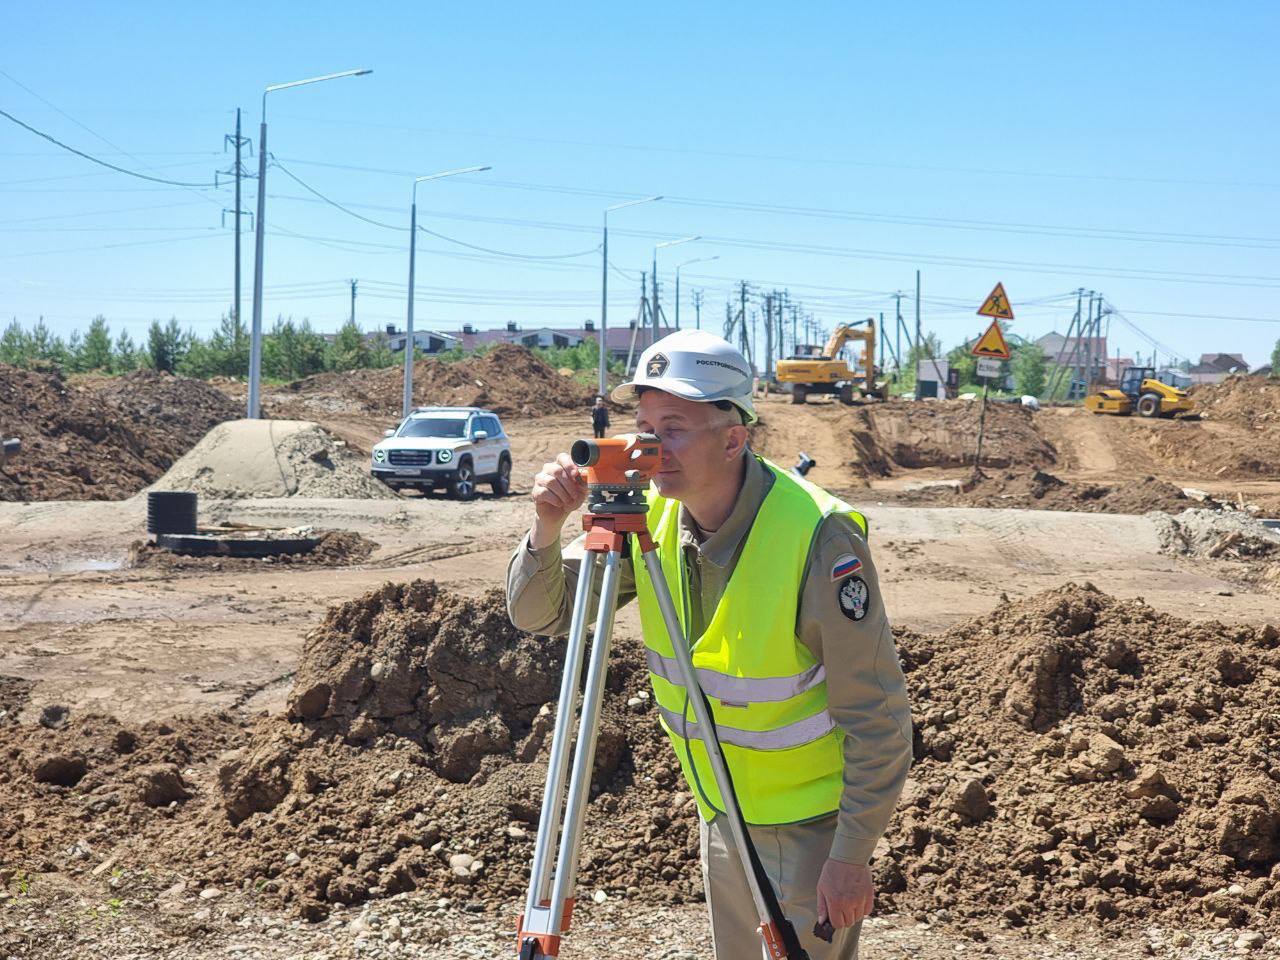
544 916
544 852
689 679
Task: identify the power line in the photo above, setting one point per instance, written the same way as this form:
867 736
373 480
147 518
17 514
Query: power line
1033 229
808 159
432 233
100 162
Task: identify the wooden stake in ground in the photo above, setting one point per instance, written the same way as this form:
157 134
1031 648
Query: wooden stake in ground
982 423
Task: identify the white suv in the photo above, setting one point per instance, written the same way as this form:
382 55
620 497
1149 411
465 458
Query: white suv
451 447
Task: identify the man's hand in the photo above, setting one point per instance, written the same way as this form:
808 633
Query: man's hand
845 894
558 490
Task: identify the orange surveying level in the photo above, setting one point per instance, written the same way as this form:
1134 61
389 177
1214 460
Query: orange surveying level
618 471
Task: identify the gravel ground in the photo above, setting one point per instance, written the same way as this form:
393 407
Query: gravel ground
127 916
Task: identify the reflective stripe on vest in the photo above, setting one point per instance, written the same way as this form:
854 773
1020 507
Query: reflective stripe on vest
739 690
780 738
766 692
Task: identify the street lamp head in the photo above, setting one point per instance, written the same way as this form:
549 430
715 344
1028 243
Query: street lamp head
446 173
298 83
632 203
672 243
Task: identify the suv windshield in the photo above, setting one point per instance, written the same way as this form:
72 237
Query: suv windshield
451 428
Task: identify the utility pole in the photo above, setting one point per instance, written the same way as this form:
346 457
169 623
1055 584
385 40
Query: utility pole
897 332
795 344
768 335
238 142
697 309
918 341
653 307
353 302
639 321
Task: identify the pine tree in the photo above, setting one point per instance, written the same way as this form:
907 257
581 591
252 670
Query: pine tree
124 356
166 346
348 351
14 347
95 351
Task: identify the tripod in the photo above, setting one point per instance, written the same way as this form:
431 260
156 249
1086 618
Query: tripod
615 514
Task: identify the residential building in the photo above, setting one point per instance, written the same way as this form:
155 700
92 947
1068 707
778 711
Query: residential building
621 340
424 341
1115 367
1216 367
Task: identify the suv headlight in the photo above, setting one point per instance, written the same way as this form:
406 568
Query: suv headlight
379 455
446 456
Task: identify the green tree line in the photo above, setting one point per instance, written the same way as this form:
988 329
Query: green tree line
289 350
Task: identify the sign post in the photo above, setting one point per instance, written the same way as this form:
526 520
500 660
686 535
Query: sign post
990 349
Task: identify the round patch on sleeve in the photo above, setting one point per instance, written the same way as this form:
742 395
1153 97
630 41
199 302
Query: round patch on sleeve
855 598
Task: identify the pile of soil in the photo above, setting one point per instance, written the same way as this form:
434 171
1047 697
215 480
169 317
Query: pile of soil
1078 753
171 412
1247 401
884 439
945 434
104 441
251 459
337 548
507 379
416 737
1038 490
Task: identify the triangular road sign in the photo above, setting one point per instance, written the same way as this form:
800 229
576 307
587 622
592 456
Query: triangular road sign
992 343
997 305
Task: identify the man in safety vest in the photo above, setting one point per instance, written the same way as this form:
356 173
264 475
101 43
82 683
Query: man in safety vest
790 640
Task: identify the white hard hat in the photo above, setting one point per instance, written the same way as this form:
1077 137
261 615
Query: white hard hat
695 365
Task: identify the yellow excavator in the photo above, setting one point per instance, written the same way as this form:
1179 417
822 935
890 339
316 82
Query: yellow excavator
828 374
1140 392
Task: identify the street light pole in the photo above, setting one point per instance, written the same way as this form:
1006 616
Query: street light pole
604 290
413 247
685 264
656 248
255 339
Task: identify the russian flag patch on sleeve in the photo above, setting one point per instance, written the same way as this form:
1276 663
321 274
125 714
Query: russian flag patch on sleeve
846 565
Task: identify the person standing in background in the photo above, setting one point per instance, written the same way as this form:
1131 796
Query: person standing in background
599 418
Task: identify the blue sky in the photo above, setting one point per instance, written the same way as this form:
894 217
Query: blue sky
830 149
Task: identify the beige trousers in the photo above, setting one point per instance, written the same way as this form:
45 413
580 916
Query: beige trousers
792 857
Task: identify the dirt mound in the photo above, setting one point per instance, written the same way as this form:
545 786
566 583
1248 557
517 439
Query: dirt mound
73 792
337 548
173 413
507 379
1248 401
253 459
1038 490
945 434
416 736
879 440
1076 755
1081 754
103 440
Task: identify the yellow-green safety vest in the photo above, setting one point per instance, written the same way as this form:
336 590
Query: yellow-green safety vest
768 694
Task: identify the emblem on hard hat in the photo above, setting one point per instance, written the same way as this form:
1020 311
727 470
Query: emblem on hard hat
657 365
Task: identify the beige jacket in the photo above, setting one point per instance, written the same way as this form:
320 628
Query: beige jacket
866 692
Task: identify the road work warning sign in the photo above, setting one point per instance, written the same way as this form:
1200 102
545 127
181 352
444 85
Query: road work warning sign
992 344
996 305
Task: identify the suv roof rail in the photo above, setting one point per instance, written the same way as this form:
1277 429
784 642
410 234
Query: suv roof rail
431 409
